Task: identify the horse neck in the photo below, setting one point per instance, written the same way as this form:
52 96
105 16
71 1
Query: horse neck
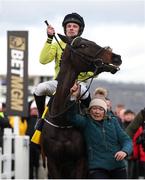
66 79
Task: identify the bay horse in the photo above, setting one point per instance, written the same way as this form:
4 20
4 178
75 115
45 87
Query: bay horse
64 145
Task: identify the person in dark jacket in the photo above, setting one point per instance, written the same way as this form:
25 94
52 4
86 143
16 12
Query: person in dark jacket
4 122
106 142
134 125
34 149
136 130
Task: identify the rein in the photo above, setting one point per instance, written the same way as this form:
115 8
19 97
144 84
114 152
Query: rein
89 61
67 108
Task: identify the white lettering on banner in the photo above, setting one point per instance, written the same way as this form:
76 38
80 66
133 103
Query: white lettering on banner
17 93
17 62
17 74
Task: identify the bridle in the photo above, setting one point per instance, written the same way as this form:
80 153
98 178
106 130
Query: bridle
97 62
85 58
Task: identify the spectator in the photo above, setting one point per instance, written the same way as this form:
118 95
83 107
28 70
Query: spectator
34 149
118 108
100 92
134 125
136 130
119 112
138 155
129 116
109 106
107 143
4 122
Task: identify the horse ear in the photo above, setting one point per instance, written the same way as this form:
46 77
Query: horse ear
64 38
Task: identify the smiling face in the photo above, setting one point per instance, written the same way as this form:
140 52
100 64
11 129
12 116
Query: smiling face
97 113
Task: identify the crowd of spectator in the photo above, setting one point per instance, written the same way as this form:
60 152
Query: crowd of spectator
125 116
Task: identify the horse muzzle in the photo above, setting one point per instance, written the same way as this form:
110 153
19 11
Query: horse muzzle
117 60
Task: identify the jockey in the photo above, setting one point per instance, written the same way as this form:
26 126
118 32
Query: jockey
73 25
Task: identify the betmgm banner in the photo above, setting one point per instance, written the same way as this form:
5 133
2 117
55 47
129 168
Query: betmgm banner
17 73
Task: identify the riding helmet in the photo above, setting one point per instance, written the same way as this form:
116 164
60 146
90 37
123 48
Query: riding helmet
76 18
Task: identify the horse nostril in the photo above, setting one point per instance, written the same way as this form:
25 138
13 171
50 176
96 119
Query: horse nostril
117 60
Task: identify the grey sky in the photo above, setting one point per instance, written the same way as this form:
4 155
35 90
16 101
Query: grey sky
94 11
117 23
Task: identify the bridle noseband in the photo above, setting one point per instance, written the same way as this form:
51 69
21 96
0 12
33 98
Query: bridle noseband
86 59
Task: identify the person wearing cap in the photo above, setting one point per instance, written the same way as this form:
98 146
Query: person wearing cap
73 25
100 92
107 144
138 121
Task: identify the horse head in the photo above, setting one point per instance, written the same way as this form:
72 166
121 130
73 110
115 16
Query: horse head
81 55
90 55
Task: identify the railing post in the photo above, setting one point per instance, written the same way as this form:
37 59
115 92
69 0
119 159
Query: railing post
16 125
21 157
7 152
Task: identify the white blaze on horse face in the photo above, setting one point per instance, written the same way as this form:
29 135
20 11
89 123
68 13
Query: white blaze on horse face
72 29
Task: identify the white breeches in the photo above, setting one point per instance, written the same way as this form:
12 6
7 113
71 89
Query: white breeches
48 88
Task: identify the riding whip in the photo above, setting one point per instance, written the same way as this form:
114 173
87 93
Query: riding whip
54 36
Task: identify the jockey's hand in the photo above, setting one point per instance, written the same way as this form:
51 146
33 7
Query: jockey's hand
75 90
50 31
120 155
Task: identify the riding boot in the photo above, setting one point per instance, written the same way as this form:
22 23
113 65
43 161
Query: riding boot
40 102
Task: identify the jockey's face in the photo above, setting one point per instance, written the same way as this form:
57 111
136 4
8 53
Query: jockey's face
72 29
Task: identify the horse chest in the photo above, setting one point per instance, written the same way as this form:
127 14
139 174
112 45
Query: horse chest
63 141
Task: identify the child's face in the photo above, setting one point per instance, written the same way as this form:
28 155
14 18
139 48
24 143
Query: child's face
97 113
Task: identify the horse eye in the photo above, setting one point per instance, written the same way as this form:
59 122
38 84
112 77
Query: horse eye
83 45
